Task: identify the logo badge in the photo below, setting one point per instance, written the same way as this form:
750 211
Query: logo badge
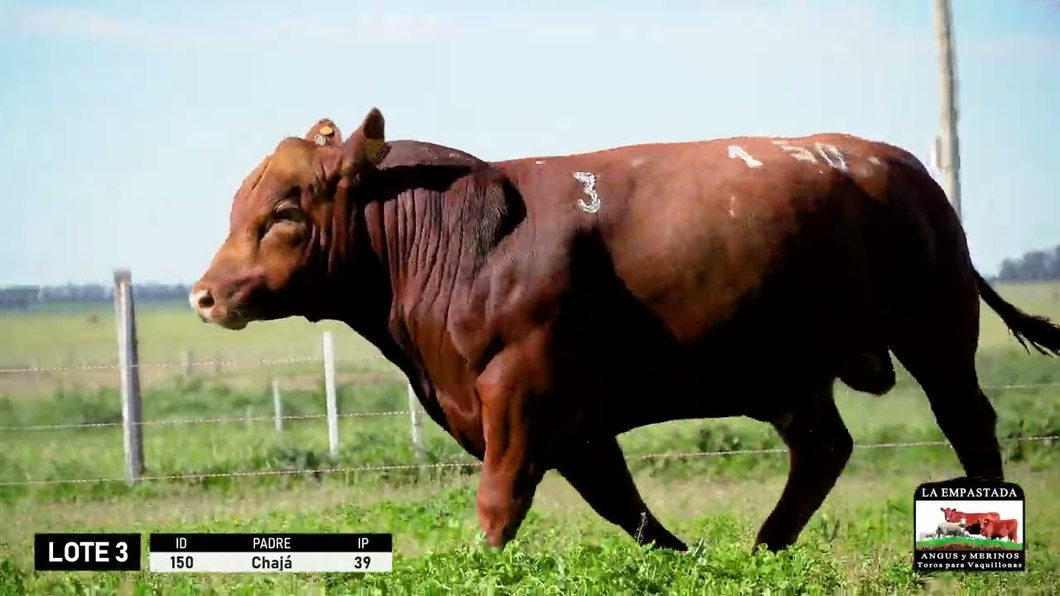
969 525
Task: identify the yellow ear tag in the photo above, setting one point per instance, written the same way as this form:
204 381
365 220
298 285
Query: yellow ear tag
326 130
374 149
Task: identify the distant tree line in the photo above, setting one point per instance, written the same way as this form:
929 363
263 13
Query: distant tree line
1036 265
26 297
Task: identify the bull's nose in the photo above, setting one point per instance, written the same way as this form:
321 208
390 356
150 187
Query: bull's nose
201 302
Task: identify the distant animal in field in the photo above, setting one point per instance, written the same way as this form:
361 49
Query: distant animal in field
999 529
928 535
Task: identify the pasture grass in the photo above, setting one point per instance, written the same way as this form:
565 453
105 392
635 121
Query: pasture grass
860 542
971 541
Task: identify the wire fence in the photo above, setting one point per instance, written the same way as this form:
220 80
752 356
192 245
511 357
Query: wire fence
467 464
262 362
359 414
228 419
222 362
131 423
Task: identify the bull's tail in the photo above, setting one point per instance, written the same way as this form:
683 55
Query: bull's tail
1040 332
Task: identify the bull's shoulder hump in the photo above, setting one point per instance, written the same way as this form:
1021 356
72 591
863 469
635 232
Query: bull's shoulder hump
424 153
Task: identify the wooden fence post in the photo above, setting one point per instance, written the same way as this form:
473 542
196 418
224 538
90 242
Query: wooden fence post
949 151
277 405
129 376
329 389
416 415
189 363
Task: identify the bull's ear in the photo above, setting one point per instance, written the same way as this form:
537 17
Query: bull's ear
367 145
325 133
363 150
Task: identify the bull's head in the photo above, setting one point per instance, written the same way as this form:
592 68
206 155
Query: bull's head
288 227
949 514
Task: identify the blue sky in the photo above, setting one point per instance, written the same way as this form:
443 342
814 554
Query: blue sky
126 127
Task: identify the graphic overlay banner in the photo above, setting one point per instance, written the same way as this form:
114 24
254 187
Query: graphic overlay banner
969 525
86 552
271 553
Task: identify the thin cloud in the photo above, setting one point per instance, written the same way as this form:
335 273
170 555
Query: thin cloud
787 29
777 27
77 23
1024 47
92 25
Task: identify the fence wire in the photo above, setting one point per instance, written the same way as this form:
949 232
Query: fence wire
262 362
467 464
194 363
361 414
229 419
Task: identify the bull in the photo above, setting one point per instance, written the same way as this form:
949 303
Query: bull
1000 529
973 521
540 307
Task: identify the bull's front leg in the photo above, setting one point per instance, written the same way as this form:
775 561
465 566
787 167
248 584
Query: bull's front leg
512 467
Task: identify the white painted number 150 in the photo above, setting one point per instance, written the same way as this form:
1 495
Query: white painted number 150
829 153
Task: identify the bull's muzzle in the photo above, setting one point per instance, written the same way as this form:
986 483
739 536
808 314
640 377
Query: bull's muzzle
204 302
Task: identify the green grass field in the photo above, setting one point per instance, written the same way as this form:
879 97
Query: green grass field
971 541
860 542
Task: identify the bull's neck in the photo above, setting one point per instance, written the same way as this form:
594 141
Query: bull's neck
419 246
428 262
420 253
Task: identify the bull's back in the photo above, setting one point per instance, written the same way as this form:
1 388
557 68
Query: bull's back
744 254
696 228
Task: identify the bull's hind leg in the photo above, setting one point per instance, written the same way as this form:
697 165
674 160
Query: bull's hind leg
819 446
599 473
961 409
935 335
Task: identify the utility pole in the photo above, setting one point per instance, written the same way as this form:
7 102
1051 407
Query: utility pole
948 155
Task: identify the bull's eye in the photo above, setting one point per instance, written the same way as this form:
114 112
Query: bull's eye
288 214
287 211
